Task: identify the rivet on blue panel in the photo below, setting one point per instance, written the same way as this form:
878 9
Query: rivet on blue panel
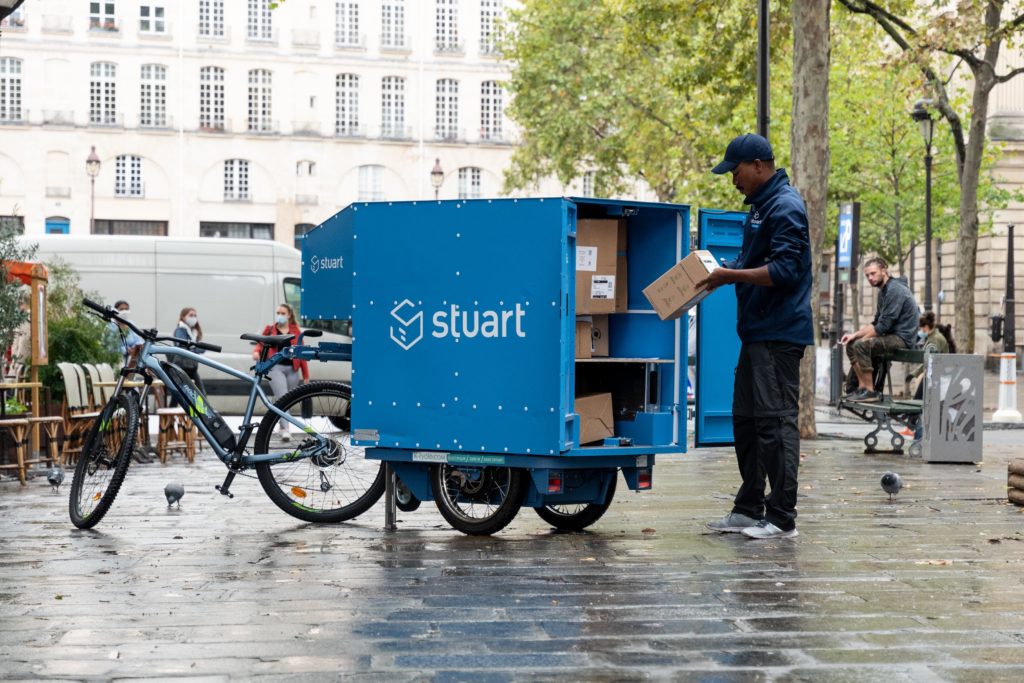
526 408
394 404
417 404
417 444
527 450
442 405
499 407
474 406
456 399
456 373
438 445
501 303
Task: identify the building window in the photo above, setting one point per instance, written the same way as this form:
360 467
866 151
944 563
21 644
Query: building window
103 94
392 22
101 16
371 183
15 20
259 23
259 100
588 184
346 104
490 10
446 120
392 107
252 231
236 180
58 225
211 98
446 25
153 92
211 18
109 227
346 23
12 224
490 111
128 176
10 89
469 182
300 231
152 18
305 168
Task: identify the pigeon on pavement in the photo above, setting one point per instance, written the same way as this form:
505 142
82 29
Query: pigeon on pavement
56 477
891 484
174 492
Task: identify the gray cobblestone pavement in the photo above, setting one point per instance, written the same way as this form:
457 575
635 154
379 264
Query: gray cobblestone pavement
928 588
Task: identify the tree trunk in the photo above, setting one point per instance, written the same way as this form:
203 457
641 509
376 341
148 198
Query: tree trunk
809 155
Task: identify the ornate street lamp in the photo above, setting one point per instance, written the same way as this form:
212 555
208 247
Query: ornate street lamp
436 177
922 115
92 167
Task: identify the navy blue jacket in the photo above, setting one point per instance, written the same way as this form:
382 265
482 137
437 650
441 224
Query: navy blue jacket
775 234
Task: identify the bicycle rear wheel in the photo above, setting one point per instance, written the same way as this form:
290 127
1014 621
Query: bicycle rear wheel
334 484
103 462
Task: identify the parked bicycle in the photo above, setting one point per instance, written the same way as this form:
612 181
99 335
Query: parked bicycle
318 477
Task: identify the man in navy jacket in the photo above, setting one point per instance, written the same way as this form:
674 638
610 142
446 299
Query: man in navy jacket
773 290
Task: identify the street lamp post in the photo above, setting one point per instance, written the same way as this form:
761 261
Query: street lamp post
436 178
924 119
92 167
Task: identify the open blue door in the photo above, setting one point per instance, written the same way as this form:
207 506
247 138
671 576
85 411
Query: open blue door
718 345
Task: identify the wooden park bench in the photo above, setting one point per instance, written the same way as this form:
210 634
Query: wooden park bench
888 413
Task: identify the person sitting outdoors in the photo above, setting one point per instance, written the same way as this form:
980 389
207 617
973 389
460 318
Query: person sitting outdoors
894 327
934 339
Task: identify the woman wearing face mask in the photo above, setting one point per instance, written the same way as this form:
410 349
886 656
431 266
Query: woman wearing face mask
189 329
934 339
285 376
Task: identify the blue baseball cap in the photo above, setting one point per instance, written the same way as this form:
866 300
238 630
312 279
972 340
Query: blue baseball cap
747 147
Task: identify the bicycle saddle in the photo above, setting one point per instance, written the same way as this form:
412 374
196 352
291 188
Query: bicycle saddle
269 339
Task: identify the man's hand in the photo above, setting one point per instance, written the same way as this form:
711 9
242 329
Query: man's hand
716 278
846 339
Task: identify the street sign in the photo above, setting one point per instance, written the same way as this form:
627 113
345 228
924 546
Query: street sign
849 227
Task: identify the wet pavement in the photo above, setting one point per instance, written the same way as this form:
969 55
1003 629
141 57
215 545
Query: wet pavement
929 588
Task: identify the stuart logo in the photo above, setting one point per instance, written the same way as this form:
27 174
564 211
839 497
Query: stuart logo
456 323
318 262
410 325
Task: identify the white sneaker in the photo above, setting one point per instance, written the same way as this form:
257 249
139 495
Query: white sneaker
732 523
765 529
284 434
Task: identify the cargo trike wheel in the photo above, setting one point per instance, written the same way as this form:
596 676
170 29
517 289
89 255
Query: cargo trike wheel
576 516
478 500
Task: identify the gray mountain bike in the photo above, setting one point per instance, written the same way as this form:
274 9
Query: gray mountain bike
317 476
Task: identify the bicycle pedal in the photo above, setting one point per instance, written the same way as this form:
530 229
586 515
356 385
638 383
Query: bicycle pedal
223 488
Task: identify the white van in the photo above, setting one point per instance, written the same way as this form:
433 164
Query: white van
234 285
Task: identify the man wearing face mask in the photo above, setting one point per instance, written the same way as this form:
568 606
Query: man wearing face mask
127 342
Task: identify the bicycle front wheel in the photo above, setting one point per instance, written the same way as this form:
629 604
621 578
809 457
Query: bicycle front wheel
331 484
103 462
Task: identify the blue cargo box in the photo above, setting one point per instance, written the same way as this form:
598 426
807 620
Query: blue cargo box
463 320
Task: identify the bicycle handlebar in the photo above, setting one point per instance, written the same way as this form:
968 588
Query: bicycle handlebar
109 314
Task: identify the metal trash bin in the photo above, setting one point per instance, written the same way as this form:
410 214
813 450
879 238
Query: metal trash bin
952 411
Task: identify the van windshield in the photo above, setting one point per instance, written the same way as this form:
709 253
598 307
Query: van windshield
293 297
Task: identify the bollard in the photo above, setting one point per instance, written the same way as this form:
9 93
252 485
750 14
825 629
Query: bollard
1007 411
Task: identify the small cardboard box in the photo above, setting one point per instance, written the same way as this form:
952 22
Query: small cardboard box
599 336
676 291
584 337
598 286
595 415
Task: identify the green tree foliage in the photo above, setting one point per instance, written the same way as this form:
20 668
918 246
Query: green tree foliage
655 89
630 89
11 293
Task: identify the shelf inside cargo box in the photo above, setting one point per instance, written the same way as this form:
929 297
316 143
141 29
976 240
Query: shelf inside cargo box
624 360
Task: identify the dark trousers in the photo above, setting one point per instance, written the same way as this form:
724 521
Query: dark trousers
764 409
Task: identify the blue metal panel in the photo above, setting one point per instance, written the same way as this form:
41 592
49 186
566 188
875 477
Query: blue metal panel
718 344
57 226
462 302
328 268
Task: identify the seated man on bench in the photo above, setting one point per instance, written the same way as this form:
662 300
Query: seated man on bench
894 327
